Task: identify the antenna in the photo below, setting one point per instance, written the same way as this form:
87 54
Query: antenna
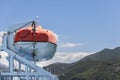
37 18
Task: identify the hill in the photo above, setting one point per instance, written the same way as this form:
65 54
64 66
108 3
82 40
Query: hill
103 65
57 68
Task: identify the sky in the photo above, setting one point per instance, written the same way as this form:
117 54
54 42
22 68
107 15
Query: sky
81 25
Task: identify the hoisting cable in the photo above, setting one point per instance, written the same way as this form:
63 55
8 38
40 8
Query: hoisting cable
34 41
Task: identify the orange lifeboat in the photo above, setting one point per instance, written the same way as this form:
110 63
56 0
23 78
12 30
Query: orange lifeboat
39 35
35 43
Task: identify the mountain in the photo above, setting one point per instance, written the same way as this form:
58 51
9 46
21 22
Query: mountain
57 68
104 55
103 65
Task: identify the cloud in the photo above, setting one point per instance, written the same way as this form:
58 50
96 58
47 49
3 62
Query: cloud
3 60
66 44
69 45
3 55
1 34
56 35
59 57
64 58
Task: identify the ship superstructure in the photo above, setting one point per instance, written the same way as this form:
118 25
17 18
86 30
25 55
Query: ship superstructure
27 44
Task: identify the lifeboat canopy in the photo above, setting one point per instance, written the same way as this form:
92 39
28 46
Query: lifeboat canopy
39 35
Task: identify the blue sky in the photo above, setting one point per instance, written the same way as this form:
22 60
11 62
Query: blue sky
81 25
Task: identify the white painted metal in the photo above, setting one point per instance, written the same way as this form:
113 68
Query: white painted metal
30 71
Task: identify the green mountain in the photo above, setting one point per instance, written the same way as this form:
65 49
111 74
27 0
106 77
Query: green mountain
57 68
104 55
103 65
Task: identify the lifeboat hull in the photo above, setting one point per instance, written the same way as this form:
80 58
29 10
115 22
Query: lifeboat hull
42 50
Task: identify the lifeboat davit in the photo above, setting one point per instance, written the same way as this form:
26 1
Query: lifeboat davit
35 43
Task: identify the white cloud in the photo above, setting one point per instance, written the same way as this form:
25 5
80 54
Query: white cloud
1 34
65 58
3 55
66 44
59 57
69 45
56 37
3 60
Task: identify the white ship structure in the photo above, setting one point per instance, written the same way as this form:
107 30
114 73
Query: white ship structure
27 44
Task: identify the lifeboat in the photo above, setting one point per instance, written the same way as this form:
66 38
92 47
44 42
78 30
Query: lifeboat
35 43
